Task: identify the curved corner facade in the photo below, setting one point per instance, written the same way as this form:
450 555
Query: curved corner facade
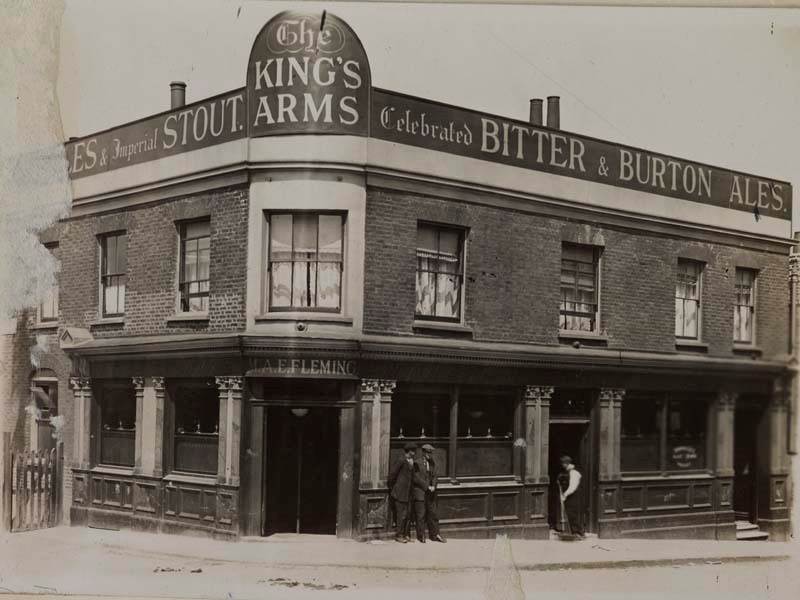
266 294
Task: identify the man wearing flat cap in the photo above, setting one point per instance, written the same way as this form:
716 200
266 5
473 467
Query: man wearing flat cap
406 484
430 475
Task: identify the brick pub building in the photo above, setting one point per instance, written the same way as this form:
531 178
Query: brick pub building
265 294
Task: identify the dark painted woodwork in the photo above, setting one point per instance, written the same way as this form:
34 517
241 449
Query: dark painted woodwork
302 471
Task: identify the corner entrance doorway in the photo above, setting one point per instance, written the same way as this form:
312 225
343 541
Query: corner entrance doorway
302 462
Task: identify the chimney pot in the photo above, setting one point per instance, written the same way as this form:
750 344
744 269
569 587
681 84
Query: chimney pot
536 111
553 112
177 94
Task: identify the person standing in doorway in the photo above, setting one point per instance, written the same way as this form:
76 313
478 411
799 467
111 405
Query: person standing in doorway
406 483
430 476
569 481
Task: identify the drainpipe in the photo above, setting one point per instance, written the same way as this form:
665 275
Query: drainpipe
794 340
793 426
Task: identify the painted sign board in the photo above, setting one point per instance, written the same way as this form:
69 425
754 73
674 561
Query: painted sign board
191 127
435 126
323 368
307 73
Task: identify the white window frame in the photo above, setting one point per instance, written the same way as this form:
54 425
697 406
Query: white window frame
597 257
266 307
700 284
53 297
432 319
754 305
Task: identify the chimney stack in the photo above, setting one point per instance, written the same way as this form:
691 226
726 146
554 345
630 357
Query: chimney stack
553 112
536 111
177 94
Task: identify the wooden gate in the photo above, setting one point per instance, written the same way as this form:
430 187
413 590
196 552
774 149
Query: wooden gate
33 481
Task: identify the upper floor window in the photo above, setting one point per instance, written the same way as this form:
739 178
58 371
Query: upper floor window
48 309
440 272
688 290
744 306
305 261
113 269
195 261
579 288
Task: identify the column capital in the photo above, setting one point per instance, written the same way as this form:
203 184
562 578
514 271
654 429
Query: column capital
138 383
80 384
384 387
158 384
612 394
726 399
780 393
538 393
794 268
226 383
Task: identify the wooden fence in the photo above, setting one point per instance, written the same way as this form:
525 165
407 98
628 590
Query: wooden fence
32 484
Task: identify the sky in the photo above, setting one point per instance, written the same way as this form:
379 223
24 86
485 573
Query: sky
718 86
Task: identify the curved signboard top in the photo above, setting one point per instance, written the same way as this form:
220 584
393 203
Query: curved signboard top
307 73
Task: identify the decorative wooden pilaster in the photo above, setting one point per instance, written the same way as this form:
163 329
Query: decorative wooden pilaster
230 429
610 433
82 394
138 386
773 465
724 411
376 413
537 433
158 414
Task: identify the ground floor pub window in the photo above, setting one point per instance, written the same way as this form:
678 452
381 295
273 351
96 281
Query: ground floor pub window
195 431
117 419
476 422
663 433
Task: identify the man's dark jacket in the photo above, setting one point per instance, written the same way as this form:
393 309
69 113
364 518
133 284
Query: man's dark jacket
406 482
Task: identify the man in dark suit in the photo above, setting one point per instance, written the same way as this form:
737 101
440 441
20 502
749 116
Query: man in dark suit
430 475
406 485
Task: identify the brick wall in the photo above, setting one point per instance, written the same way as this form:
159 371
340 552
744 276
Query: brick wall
153 255
150 294
512 277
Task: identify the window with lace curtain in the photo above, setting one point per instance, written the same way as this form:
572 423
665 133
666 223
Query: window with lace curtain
579 288
305 261
744 307
440 272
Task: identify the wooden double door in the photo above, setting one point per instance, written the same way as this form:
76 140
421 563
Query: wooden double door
301 470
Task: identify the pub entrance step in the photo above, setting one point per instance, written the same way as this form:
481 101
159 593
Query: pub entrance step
750 532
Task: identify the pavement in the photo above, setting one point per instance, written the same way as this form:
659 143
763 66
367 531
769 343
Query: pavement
287 550
123 564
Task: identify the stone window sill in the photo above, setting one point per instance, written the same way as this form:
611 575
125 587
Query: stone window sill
107 321
691 345
582 335
442 326
45 325
191 478
303 316
112 470
697 474
188 317
746 349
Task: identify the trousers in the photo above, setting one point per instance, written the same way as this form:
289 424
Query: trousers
431 514
418 516
572 506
